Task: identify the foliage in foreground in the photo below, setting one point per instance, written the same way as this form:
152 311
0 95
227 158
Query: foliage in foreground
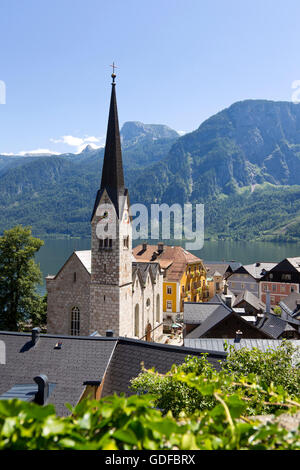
135 423
276 367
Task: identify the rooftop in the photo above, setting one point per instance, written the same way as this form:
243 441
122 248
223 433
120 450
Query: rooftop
81 359
172 258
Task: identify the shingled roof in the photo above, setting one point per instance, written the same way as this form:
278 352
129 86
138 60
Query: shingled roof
173 259
85 359
250 299
291 304
275 326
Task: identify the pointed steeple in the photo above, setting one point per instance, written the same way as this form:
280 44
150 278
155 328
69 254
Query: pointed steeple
112 171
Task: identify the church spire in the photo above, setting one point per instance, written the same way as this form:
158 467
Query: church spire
112 171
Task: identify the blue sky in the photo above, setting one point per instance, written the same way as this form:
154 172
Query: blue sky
180 61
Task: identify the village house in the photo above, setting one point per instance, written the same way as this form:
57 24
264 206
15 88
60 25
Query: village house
280 281
217 319
247 277
184 275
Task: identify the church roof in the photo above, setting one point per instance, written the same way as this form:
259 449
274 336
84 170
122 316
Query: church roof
85 257
112 171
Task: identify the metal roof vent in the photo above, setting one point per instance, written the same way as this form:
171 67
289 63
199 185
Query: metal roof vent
43 389
109 333
35 335
238 336
160 247
228 300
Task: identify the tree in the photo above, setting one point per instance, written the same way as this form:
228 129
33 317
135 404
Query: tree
278 367
19 275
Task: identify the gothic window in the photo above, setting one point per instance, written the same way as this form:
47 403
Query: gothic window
75 321
126 242
136 320
157 308
148 302
105 244
74 277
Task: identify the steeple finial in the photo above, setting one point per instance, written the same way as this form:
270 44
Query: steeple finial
113 75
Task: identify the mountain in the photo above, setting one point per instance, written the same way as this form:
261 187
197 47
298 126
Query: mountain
55 193
244 156
243 164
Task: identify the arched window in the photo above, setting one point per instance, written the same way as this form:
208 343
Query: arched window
75 321
157 308
136 320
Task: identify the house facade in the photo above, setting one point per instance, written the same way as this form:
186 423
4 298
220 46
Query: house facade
248 277
184 275
281 281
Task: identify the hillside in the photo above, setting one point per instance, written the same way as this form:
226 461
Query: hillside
243 164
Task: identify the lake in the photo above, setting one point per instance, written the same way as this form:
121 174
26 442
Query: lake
55 252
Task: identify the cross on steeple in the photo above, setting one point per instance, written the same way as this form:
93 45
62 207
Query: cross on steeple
113 75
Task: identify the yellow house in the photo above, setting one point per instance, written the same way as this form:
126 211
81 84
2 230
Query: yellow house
184 275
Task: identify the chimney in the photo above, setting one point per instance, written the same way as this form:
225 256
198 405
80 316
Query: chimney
160 247
228 300
144 246
109 333
43 389
35 335
225 290
238 336
268 303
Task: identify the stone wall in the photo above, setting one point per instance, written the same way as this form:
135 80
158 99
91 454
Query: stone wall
64 293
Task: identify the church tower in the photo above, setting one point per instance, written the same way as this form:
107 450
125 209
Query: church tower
111 241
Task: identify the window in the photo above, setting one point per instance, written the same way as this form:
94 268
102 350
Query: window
136 320
75 321
169 290
148 302
157 309
105 244
169 304
126 242
286 277
74 277
274 287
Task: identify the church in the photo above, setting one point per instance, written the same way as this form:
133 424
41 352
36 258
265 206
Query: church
105 290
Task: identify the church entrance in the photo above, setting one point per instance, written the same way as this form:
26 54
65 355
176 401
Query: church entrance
148 332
